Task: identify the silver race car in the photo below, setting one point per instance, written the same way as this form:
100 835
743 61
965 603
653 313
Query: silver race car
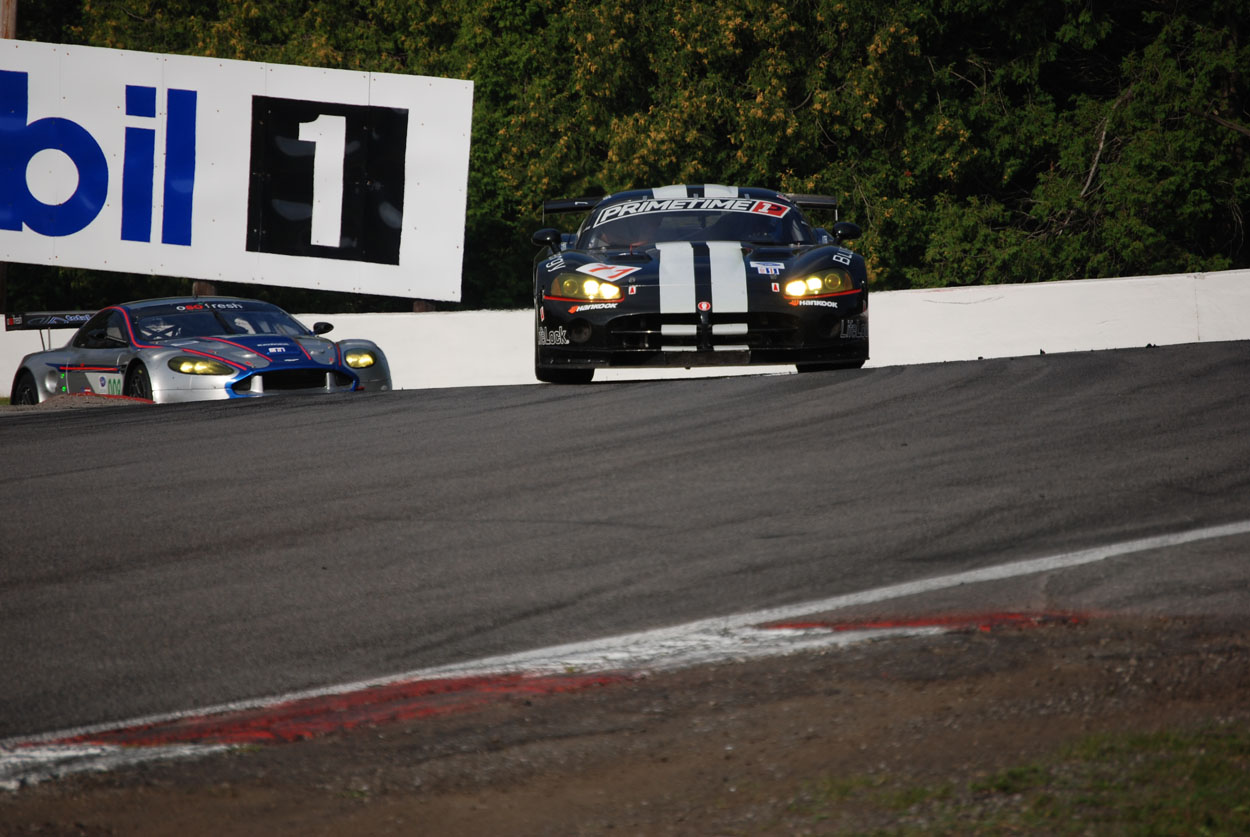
193 349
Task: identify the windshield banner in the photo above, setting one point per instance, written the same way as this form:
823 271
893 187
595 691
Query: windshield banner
641 207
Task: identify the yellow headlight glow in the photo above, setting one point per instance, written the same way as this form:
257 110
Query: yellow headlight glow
577 286
359 359
199 366
820 284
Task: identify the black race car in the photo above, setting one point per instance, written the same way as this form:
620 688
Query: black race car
697 276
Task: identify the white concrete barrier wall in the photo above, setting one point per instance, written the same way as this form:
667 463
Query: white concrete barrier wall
494 348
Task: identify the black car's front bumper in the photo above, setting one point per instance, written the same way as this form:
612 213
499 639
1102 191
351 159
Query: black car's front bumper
573 336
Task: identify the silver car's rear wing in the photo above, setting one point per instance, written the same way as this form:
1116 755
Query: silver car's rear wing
46 319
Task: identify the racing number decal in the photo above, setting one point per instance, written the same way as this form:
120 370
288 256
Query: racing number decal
329 136
326 180
608 272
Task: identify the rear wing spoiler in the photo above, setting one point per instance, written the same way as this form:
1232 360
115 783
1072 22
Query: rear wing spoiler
560 205
814 201
586 204
39 320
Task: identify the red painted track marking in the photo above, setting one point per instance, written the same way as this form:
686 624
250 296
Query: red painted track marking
314 717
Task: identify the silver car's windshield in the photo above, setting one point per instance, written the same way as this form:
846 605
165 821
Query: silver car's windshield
214 320
759 223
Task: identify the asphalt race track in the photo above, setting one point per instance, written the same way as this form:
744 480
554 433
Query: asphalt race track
162 558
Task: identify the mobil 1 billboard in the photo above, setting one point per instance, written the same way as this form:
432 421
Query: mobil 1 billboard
233 171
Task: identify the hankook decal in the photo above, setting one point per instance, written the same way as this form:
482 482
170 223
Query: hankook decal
594 306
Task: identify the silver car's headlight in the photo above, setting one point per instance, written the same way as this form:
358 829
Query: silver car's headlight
199 366
359 358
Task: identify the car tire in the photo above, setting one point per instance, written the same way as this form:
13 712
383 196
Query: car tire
24 392
563 376
138 383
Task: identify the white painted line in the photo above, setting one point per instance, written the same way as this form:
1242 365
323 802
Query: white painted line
693 643
31 765
680 644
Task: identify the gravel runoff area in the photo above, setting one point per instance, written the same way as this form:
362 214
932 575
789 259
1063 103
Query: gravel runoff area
761 748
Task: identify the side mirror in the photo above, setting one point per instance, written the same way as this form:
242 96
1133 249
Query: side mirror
548 237
322 328
846 231
99 338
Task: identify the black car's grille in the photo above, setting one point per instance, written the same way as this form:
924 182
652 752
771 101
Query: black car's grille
637 331
295 380
655 332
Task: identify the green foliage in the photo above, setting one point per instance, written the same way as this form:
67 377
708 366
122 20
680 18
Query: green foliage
1170 782
976 141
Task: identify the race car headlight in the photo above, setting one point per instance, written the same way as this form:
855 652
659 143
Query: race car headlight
602 290
820 284
199 366
577 286
359 359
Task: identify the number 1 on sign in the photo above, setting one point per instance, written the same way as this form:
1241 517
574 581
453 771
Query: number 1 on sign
329 135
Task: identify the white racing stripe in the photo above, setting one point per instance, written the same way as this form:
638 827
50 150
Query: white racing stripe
677 286
664 193
23 760
676 277
676 271
710 190
729 277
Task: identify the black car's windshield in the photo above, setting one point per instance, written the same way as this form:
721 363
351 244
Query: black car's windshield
642 222
213 319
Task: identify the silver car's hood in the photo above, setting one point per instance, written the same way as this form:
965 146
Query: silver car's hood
261 350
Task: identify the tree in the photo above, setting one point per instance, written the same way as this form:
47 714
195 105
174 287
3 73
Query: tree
976 141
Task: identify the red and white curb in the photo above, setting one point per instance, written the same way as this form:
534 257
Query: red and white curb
565 668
